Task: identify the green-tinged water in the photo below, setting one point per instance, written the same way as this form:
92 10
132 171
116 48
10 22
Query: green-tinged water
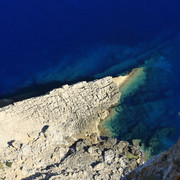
144 111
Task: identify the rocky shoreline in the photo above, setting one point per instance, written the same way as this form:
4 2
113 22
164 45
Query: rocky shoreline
32 129
57 136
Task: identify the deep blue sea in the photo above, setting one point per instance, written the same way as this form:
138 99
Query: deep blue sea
52 42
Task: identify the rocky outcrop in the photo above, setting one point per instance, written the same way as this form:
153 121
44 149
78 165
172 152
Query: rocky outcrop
165 166
108 160
69 113
56 136
37 132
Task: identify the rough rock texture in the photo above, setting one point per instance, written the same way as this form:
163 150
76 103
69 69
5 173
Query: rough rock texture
165 166
37 132
67 113
56 136
107 160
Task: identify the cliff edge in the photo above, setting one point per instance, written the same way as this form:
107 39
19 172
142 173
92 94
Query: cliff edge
37 132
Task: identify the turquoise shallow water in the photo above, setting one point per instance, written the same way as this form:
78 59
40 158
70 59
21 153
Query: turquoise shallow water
146 110
149 105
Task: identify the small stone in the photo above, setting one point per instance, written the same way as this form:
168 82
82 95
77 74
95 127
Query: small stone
109 156
95 151
99 166
122 162
133 164
109 143
121 146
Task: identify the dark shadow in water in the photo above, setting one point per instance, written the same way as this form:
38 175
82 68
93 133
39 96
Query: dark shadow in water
36 90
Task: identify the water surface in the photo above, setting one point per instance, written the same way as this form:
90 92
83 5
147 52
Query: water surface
45 44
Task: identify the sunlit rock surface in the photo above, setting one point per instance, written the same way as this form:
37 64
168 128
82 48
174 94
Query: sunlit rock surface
57 136
33 130
66 113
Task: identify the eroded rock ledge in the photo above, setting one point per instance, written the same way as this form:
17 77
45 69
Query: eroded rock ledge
108 159
67 113
56 136
34 130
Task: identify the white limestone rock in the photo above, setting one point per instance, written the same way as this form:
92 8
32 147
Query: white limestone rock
37 132
66 114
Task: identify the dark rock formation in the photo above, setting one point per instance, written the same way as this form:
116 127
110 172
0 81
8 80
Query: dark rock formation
165 166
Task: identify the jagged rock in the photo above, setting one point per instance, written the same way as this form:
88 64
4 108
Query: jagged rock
81 164
93 150
56 136
36 133
165 166
109 156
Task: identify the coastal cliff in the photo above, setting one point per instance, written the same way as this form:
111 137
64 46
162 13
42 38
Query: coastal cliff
64 115
37 132
57 136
